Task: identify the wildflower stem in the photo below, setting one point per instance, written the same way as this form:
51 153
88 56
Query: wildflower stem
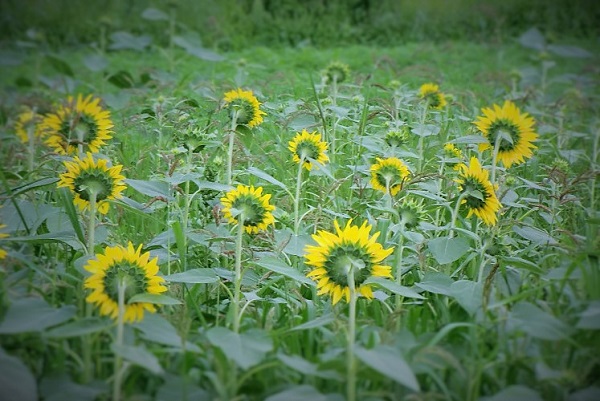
399 252
121 287
92 221
420 145
455 212
350 362
31 144
495 160
297 197
237 283
230 150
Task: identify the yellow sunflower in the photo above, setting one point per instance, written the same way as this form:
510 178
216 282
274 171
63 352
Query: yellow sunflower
82 122
454 155
246 105
127 266
2 235
87 174
335 253
28 122
431 93
512 128
249 203
389 174
480 197
308 145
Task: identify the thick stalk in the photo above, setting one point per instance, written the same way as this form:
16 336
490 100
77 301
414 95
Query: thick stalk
420 145
92 221
455 213
230 149
119 341
350 362
238 275
297 197
31 143
495 159
399 252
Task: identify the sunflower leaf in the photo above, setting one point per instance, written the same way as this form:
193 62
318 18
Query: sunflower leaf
389 362
275 265
159 299
138 355
16 381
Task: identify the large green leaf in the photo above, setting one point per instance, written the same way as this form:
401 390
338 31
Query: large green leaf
436 282
275 265
313 324
151 188
138 355
469 294
389 362
537 323
394 287
299 393
33 314
16 380
305 367
516 393
245 349
156 328
447 250
181 388
194 276
79 328
61 388
158 299
590 318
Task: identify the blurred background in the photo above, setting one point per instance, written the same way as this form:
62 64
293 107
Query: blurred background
236 24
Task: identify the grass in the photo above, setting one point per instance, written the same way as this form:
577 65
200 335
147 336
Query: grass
472 310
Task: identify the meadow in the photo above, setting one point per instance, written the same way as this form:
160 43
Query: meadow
356 222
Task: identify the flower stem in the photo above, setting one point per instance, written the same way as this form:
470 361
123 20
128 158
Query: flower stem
230 150
237 283
420 145
399 252
121 287
31 144
87 341
92 221
495 160
455 213
350 362
297 198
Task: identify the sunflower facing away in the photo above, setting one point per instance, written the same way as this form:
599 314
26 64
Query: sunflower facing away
249 203
246 105
130 267
512 128
454 155
431 93
481 198
336 71
335 253
389 173
28 121
308 145
88 174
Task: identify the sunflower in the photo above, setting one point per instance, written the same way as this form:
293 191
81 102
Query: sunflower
389 174
512 128
130 267
2 235
88 174
335 253
411 213
454 155
307 145
246 105
28 122
82 122
397 137
252 205
479 193
431 93
336 71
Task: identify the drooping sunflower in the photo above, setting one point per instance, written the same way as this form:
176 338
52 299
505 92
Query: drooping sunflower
431 93
512 128
246 105
127 266
454 154
78 122
85 175
308 145
250 204
28 122
335 253
389 174
480 196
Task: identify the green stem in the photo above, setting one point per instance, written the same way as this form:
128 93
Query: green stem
230 149
455 213
238 275
350 361
420 146
495 160
31 144
92 222
121 287
297 198
399 252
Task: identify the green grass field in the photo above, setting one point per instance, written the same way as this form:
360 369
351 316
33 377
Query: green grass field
440 296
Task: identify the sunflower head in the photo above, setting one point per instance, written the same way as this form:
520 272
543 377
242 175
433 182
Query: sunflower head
251 206
337 252
478 192
431 93
87 175
453 155
336 71
245 106
397 137
509 130
388 175
27 126
78 123
411 213
307 146
128 267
